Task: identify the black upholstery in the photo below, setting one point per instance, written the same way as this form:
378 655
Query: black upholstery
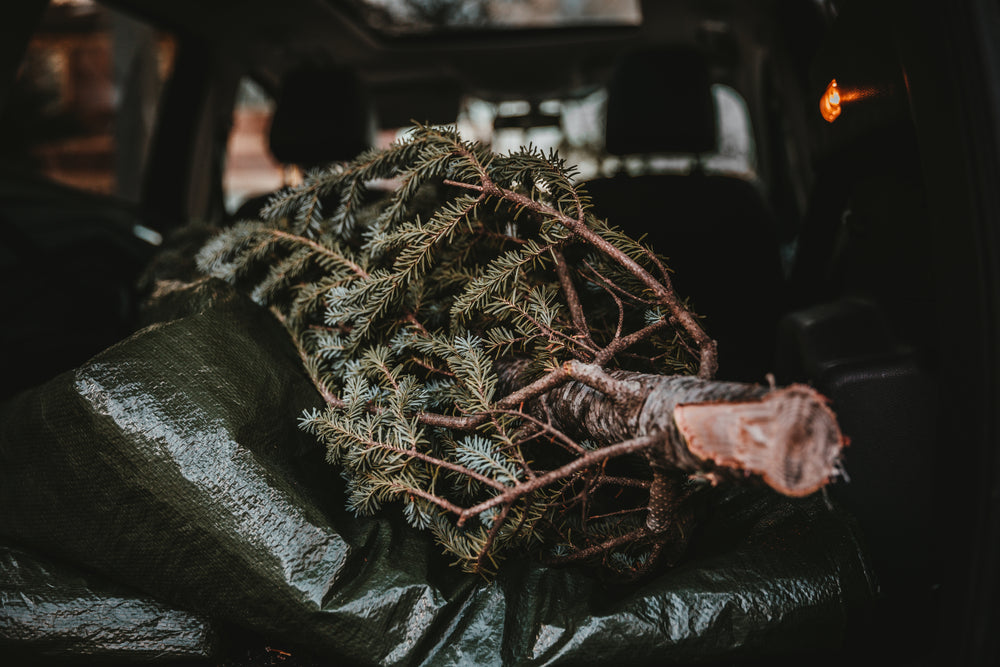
717 231
322 116
660 101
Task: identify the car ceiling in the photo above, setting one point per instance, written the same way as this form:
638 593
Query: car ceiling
268 36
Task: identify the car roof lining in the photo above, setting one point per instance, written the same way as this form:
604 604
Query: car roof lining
290 33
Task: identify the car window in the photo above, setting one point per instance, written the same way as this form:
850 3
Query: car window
250 168
84 104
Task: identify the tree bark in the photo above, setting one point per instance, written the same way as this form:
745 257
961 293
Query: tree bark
788 437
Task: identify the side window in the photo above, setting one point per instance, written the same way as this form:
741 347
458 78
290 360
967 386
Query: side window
84 105
250 168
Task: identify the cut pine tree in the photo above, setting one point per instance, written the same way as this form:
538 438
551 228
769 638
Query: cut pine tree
514 372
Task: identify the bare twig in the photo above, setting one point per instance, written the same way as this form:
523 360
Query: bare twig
572 297
603 547
571 445
610 287
331 400
590 458
494 529
665 294
443 503
621 344
433 460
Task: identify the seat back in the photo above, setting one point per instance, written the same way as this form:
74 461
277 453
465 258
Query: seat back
322 116
717 231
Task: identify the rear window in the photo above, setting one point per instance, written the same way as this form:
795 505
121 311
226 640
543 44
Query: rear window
575 128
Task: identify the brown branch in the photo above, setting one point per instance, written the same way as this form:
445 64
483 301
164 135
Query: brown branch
430 497
388 375
595 377
663 290
481 230
621 344
610 287
433 460
630 510
430 367
621 319
412 319
494 529
466 423
572 297
608 545
622 481
579 205
659 265
651 560
571 444
528 506
331 400
547 382
512 493
662 501
664 293
544 384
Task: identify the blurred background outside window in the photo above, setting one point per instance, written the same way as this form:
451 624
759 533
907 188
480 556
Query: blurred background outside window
250 169
83 108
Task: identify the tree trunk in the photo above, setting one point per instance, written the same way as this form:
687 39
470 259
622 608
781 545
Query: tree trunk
789 437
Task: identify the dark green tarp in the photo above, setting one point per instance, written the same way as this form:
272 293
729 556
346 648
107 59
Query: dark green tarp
172 463
50 611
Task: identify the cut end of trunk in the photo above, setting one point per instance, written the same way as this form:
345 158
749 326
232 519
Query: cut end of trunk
790 437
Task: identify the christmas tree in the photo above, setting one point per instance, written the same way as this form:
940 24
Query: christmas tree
508 369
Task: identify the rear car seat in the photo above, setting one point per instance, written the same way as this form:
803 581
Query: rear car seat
717 231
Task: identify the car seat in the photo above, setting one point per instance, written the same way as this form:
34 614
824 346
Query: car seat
717 231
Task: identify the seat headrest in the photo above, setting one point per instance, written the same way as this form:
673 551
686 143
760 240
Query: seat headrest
660 101
430 101
322 116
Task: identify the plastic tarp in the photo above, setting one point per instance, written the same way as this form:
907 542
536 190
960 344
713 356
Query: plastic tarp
172 463
49 610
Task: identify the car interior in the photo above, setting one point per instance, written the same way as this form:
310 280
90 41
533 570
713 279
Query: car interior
859 255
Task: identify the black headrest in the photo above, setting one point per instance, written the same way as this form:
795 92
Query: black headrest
660 101
322 116
431 101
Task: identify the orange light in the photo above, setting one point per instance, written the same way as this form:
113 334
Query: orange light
829 104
